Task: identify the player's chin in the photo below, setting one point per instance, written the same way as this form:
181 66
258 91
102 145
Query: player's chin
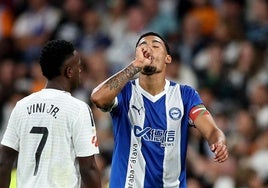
148 70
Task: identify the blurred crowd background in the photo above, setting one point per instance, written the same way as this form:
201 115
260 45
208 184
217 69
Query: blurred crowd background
219 47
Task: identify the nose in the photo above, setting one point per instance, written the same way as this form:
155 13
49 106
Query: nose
148 46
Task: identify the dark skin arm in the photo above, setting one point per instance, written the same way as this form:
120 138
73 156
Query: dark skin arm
89 171
214 136
7 159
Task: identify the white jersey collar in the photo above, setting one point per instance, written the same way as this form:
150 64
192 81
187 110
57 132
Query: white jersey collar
153 98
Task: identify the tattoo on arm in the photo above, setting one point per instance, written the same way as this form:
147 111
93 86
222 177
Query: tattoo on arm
119 80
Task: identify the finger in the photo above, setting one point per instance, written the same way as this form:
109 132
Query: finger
220 149
140 51
147 53
222 156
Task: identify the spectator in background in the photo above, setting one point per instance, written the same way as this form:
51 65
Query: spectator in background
206 14
238 76
245 132
233 12
248 144
258 159
33 28
158 21
7 18
181 73
136 24
114 20
211 75
7 79
248 177
257 26
190 41
70 25
258 97
93 37
6 21
230 39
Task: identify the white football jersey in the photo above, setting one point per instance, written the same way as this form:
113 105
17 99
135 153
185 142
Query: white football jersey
49 129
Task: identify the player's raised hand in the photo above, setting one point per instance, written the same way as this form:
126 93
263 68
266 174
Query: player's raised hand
220 150
143 56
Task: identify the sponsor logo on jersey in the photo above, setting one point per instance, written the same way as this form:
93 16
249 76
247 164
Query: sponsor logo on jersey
164 137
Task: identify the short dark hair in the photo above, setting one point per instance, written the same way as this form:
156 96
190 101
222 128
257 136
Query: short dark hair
52 57
157 35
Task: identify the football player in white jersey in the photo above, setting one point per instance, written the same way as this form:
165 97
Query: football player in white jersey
151 116
51 133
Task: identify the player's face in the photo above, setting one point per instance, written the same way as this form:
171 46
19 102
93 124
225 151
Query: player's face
159 55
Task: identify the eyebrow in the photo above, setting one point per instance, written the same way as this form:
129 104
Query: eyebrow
154 41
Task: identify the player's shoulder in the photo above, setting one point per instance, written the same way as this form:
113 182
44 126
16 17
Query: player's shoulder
187 88
183 88
66 99
52 95
77 101
26 98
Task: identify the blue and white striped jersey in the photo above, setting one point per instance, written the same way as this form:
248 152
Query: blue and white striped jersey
150 135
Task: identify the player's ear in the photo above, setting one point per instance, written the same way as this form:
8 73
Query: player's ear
68 72
168 59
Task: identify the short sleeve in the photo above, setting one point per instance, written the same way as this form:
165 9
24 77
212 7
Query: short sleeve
84 133
11 136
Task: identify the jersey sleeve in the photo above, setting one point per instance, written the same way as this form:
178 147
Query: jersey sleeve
122 99
11 136
84 133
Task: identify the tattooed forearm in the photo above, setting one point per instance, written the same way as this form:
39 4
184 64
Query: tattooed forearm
120 79
130 71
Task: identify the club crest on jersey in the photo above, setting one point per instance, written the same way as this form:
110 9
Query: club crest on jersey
175 113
